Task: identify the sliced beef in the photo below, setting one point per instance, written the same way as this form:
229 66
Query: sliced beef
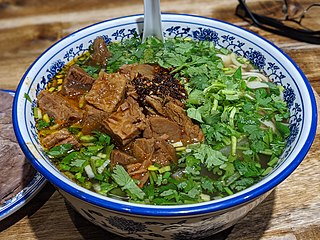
163 128
131 91
133 167
136 168
156 150
177 114
77 82
139 171
100 52
6 131
133 70
142 178
92 119
143 148
164 153
107 91
15 171
147 152
126 123
62 136
5 108
156 104
172 110
122 158
159 104
62 109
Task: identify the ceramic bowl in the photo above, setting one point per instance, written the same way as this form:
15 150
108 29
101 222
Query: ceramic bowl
169 222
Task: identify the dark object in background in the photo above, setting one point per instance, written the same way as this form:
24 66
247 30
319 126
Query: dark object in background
288 18
15 171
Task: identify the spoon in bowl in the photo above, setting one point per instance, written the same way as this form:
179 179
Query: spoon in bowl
152 20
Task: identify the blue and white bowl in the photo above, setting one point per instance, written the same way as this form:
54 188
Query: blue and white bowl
165 222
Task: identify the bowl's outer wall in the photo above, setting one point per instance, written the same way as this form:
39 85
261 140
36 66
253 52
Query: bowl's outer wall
148 227
283 70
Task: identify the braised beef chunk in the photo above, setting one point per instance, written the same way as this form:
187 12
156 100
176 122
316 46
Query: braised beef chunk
131 91
77 82
142 148
164 153
92 119
156 104
62 136
107 91
177 114
100 52
126 123
156 150
60 108
139 171
133 70
163 128
176 117
122 158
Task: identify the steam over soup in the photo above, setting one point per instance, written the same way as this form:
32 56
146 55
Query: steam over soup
162 123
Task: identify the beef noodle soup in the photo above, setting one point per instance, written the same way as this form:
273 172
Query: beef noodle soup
162 123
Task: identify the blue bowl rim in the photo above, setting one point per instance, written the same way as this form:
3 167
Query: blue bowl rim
181 210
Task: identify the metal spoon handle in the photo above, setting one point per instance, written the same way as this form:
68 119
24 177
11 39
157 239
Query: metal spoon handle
152 20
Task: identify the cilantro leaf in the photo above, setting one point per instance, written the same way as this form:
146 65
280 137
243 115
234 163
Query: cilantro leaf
238 74
194 113
248 168
207 184
254 132
60 150
283 129
208 156
77 163
41 124
92 70
262 98
122 178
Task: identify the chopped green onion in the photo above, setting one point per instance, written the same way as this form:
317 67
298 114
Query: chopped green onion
180 149
273 161
26 96
267 152
215 104
205 197
165 169
233 145
46 118
231 117
166 175
177 144
103 166
153 168
268 170
87 138
89 171
228 190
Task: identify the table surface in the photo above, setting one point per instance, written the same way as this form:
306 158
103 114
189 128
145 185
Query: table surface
28 27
